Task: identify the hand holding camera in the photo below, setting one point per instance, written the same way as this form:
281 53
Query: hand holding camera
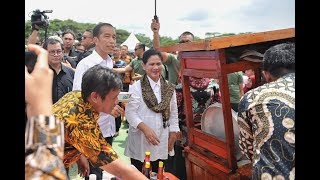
35 27
39 19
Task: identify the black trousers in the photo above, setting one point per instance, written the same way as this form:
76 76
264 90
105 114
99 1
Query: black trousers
118 123
125 87
176 165
96 170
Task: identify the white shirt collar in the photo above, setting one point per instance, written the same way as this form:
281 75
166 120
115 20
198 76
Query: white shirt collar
98 59
152 83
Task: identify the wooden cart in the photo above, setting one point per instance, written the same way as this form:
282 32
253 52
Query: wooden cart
206 155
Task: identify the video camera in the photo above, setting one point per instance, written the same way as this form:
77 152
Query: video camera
39 18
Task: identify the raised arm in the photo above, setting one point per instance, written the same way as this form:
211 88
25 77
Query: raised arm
155 27
38 84
34 35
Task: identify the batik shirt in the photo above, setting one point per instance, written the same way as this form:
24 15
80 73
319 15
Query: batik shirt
266 120
82 132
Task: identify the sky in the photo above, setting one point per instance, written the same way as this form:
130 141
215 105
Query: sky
175 16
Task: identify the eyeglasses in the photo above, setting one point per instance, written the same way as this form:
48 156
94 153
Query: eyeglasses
53 52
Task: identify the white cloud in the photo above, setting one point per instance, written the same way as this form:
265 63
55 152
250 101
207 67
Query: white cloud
197 16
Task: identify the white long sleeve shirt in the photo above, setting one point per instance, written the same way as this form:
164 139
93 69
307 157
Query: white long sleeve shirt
136 112
106 121
85 64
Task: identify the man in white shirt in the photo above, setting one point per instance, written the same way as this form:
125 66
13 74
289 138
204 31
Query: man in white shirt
104 37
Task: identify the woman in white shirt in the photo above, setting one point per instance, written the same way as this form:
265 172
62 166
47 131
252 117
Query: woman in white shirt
152 114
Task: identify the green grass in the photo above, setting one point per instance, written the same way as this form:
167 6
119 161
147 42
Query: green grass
119 143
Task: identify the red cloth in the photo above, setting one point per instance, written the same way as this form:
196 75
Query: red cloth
252 79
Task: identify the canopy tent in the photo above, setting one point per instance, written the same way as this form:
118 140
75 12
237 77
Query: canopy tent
131 42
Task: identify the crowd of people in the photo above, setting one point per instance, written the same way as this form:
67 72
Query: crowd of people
74 88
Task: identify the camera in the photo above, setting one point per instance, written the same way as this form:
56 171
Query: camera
39 18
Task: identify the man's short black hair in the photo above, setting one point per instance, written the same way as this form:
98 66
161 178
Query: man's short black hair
69 31
97 29
278 58
142 46
186 33
101 80
51 41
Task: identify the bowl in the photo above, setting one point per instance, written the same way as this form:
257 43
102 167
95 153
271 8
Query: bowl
124 96
212 122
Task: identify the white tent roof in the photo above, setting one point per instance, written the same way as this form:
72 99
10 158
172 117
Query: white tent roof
131 42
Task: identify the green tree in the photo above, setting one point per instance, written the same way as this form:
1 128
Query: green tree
144 39
245 33
122 35
58 26
196 38
167 41
226 34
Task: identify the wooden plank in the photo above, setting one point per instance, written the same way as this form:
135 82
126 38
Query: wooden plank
214 55
240 66
191 46
205 64
231 41
202 161
210 147
244 39
201 73
209 138
228 124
